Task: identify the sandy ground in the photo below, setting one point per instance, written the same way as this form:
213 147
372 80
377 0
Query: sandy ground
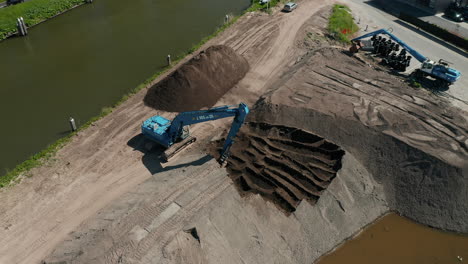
104 200
98 166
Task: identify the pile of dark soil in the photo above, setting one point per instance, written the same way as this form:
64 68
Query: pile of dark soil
283 164
200 82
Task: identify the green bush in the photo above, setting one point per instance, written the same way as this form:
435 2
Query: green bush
341 24
415 84
257 6
33 12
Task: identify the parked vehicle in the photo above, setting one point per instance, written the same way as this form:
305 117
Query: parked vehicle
464 11
262 2
290 6
454 15
13 2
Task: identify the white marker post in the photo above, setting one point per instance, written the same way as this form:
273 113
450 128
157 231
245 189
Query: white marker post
23 25
72 124
20 27
169 60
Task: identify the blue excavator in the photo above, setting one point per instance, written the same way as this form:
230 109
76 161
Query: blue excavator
174 135
440 71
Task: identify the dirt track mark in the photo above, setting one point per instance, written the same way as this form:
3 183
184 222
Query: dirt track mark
439 124
151 209
252 37
120 232
446 122
163 234
283 164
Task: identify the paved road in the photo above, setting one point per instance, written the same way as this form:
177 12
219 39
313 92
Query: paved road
396 7
463 25
3 4
421 41
460 29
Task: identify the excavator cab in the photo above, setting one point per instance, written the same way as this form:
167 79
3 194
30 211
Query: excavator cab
427 66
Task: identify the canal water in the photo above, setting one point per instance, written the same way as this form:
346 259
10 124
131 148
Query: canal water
87 59
394 239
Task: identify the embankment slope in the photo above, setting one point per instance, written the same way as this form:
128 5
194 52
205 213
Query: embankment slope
412 141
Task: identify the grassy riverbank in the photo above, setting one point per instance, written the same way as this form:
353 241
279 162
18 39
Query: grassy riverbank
48 153
341 23
33 13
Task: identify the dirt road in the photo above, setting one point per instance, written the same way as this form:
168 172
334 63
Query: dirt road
98 166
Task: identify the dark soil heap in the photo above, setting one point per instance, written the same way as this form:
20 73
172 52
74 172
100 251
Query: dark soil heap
283 164
200 82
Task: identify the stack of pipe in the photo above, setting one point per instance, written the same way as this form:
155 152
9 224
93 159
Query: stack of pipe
388 50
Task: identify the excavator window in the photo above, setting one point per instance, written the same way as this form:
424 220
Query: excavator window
427 66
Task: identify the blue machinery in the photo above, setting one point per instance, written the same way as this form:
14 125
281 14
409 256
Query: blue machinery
440 71
174 135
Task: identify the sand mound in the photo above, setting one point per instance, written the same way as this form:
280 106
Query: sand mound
283 164
200 82
413 142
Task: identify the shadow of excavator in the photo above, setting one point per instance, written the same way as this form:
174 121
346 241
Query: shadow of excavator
152 156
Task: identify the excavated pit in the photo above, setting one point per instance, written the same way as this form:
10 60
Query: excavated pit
285 165
200 82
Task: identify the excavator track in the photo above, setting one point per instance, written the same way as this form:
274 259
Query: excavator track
176 148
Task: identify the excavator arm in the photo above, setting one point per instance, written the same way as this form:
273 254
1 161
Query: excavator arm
194 117
239 119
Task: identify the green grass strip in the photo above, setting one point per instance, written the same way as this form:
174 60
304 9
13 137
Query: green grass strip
341 24
33 12
45 155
